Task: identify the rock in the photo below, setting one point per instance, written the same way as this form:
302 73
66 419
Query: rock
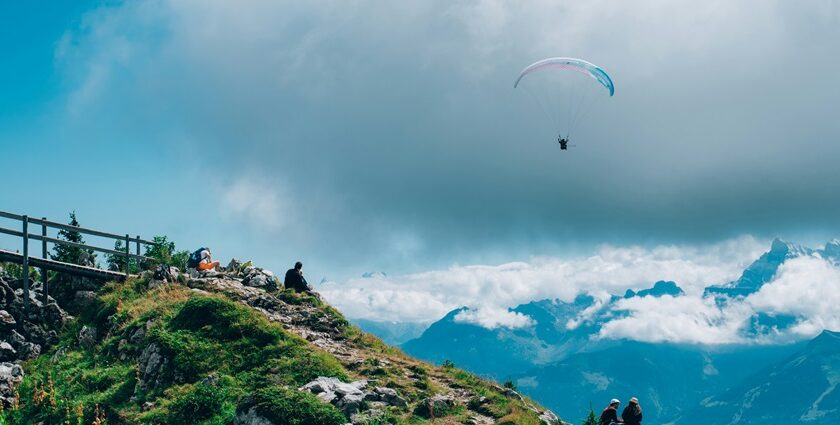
320 385
148 406
549 418
10 375
250 417
7 322
84 300
152 366
138 336
28 351
7 353
390 396
347 397
233 267
87 337
438 405
351 403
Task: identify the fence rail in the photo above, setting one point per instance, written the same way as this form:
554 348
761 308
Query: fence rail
46 263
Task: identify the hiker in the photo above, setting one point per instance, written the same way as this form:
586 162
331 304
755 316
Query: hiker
202 259
610 413
295 280
632 414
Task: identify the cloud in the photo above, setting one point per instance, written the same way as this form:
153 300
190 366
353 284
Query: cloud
807 288
492 318
684 319
804 288
253 201
400 119
428 296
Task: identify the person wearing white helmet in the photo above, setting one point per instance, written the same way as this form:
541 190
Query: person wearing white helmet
632 414
610 413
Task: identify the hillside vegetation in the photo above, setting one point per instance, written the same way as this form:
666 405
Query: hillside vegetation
213 350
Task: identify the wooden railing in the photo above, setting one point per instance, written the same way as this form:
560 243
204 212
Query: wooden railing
45 263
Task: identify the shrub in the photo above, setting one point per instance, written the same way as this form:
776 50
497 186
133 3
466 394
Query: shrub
199 402
291 407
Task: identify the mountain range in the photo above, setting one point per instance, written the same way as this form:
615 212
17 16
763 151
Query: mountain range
560 361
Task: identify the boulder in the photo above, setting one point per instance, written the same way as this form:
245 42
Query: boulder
7 322
250 416
437 405
84 300
87 337
152 366
549 418
7 353
351 403
10 376
389 396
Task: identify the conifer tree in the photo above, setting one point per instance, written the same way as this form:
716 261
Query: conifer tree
72 254
591 418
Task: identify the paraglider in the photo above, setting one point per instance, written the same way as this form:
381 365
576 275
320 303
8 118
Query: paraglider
560 88
563 142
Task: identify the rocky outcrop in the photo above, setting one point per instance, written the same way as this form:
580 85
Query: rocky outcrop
354 399
24 334
254 277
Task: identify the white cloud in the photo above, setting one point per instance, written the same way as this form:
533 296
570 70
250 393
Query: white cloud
805 288
492 318
427 296
685 319
256 202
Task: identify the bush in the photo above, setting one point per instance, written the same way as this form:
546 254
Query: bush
199 402
224 320
291 407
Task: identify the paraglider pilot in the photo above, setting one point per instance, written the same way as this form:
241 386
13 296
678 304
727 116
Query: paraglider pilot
563 142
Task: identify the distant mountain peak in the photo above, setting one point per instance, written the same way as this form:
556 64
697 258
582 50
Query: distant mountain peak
369 275
761 271
659 289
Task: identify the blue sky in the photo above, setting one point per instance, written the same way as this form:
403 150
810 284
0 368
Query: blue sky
371 136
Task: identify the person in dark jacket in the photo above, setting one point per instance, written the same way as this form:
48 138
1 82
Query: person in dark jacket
294 279
610 413
632 414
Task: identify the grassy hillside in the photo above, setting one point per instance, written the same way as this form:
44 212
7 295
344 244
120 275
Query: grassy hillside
204 351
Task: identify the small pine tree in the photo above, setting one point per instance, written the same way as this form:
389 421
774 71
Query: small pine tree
591 419
72 254
117 262
161 250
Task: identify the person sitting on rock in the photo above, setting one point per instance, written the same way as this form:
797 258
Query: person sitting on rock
632 414
610 413
206 262
294 279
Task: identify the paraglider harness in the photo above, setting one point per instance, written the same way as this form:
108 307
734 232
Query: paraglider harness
195 258
564 142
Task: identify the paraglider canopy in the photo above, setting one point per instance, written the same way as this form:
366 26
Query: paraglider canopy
564 97
577 65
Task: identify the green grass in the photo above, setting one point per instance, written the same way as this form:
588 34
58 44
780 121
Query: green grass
220 355
217 350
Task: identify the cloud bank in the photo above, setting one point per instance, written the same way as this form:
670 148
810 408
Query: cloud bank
428 296
395 129
804 291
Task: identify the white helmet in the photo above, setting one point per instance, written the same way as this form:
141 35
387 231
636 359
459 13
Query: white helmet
615 401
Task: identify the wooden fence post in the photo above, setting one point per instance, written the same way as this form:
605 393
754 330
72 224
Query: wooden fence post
25 270
127 257
44 276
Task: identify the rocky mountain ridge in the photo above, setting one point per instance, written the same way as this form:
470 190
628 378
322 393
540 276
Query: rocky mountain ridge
559 359
232 348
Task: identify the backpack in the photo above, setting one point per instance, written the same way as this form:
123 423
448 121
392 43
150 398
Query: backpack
195 258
